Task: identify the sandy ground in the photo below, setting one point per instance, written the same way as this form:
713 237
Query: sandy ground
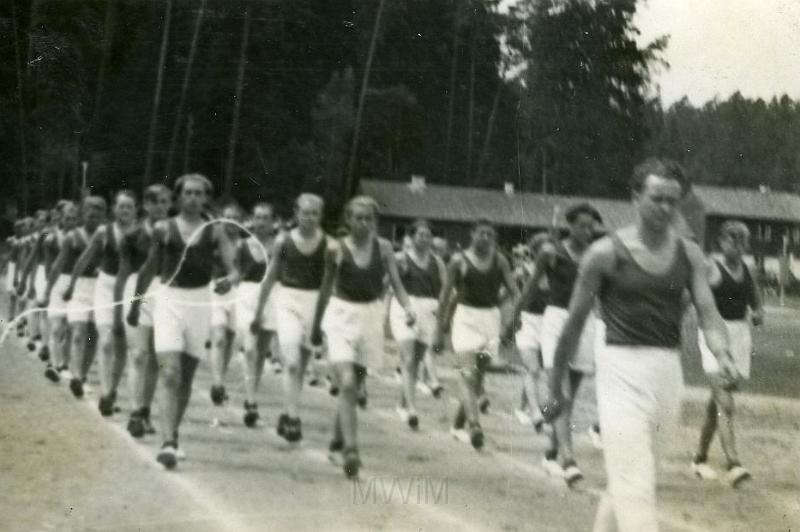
62 467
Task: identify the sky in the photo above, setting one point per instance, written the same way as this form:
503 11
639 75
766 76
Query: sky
717 47
720 46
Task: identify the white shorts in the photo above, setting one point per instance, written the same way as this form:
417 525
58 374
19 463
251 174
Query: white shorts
424 327
80 307
246 301
354 332
40 283
294 316
182 319
12 269
57 308
741 348
529 336
104 300
476 329
147 302
223 313
553 321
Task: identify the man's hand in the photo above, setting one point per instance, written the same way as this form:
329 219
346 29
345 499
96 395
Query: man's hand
255 325
133 314
728 372
68 293
411 318
757 317
316 336
223 286
553 407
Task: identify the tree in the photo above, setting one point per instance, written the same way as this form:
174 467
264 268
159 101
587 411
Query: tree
585 102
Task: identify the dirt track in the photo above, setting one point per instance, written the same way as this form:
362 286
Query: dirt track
65 468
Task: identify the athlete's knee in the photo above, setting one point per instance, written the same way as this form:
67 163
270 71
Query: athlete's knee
725 403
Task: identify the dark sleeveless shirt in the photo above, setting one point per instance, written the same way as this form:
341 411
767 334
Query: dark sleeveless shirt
732 296
196 270
640 308
109 260
41 258
251 270
480 289
298 270
561 277
537 300
360 285
421 282
135 247
79 245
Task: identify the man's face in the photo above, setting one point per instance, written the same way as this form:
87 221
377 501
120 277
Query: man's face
69 217
193 196
658 201
124 209
158 209
734 245
422 238
582 228
362 220
262 220
308 215
483 237
93 214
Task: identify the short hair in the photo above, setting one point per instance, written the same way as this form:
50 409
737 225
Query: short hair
197 178
307 197
94 201
421 223
481 222
666 168
734 228
582 208
264 205
232 204
124 192
538 240
362 201
153 192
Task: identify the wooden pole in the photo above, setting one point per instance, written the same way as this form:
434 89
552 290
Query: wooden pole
108 37
451 93
188 146
350 184
151 137
471 109
176 126
231 162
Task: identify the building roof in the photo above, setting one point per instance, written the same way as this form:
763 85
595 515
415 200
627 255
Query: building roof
466 204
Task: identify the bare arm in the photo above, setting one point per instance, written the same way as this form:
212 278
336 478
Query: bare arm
757 302
227 252
325 291
58 266
270 278
88 255
710 321
123 273
598 261
533 280
387 253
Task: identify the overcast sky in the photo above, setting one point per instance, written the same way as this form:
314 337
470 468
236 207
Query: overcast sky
720 46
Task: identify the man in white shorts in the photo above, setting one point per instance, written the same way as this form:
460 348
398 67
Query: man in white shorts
477 274
80 298
179 254
422 274
223 313
297 265
351 302
735 292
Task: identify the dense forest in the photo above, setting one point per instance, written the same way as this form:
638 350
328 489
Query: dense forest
271 97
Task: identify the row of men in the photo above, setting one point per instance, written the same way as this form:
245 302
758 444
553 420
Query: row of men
305 285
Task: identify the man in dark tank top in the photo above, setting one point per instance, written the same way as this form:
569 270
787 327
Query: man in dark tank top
477 273
179 254
143 369
640 275
349 311
296 266
736 295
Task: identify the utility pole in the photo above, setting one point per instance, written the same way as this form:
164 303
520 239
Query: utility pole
151 138
237 103
22 180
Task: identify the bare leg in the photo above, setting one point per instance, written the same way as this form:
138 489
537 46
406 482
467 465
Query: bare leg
348 390
293 382
106 359
708 430
256 352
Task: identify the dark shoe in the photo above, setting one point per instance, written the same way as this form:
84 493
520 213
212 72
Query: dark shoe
294 430
413 421
218 395
250 414
51 374
76 387
44 353
483 404
136 425
106 404
476 436
283 423
168 455
352 463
